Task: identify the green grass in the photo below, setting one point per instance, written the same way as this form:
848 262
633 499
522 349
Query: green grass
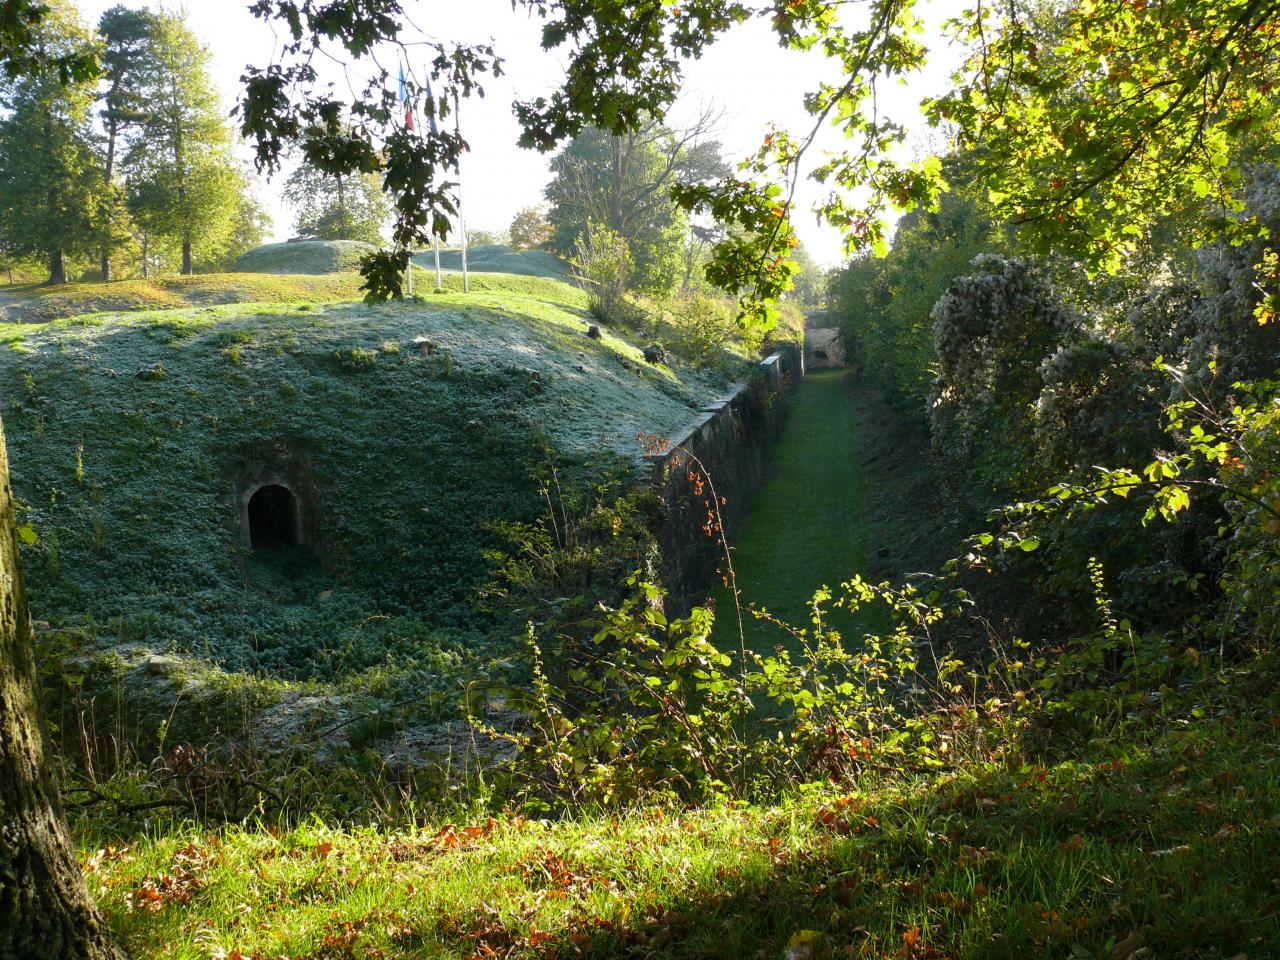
806 528
35 303
1165 843
127 431
305 256
497 258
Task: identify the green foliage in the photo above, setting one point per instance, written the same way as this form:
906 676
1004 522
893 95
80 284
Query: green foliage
22 48
337 206
1098 120
884 305
602 264
185 186
52 194
623 183
127 45
810 290
705 327
991 330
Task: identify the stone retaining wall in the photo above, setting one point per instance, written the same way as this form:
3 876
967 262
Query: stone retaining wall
727 449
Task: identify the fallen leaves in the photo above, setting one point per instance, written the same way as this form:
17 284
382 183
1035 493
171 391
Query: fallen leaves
156 894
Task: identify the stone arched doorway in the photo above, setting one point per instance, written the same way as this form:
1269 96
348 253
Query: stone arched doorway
274 518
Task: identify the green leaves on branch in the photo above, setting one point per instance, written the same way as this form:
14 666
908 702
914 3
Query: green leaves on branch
623 64
1089 123
284 105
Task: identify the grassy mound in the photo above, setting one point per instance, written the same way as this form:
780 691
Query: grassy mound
498 258
412 430
305 256
35 303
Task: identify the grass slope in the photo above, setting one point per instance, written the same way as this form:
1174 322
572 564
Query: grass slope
1143 846
127 431
498 258
305 256
35 303
806 527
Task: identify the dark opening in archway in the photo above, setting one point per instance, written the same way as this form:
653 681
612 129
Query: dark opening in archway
820 359
273 518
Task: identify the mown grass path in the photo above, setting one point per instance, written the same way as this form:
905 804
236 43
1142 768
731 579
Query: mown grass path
806 525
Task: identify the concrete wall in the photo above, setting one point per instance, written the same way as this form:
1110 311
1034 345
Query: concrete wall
823 348
731 444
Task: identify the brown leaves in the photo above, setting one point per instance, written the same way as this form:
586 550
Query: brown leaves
162 891
450 837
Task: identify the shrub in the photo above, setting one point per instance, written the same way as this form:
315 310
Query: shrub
993 329
602 265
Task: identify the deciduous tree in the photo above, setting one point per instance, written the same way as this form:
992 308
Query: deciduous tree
338 206
624 183
530 229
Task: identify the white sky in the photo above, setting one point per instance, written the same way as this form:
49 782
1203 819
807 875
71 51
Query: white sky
746 75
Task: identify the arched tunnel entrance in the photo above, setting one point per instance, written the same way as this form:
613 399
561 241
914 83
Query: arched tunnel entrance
274 518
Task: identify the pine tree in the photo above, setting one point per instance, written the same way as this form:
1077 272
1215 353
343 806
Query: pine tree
127 40
52 193
184 183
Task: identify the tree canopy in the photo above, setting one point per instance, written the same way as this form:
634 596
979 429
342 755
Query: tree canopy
338 206
52 194
624 183
1084 128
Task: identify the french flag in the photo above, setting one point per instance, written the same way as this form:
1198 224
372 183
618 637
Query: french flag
404 98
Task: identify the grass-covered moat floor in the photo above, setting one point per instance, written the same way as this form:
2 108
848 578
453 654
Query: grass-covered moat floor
1161 843
851 492
806 524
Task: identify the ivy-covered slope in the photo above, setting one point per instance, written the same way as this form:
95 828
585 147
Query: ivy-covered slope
413 429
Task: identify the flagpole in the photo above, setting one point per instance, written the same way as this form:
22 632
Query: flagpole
462 220
409 125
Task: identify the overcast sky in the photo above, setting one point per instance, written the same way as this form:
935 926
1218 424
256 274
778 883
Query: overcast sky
746 75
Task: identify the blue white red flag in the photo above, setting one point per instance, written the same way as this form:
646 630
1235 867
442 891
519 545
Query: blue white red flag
404 98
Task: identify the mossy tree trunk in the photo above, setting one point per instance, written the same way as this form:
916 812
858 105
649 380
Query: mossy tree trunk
45 909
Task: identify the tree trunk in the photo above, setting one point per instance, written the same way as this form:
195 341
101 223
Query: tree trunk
45 909
186 258
342 210
146 255
109 175
57 268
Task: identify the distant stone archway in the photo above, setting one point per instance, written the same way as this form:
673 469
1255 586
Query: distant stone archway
274 518
823 348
